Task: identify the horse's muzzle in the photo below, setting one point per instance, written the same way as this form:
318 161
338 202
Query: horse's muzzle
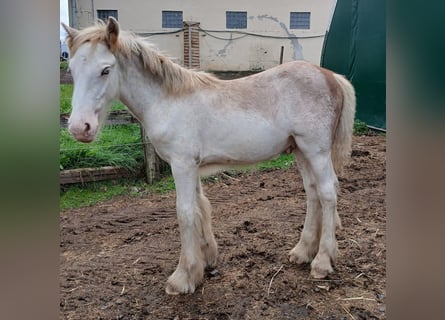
83 132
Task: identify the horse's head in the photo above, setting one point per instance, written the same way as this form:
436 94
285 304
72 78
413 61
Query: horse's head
95 74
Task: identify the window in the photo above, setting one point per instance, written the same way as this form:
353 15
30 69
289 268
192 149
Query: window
300 20
104 14
171 19
236 19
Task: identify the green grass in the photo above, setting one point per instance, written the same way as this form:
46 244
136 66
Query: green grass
93 193
66 92
64 65
284 161
115 146
360 128
81 196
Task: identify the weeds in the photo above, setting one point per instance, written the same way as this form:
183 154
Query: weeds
360 128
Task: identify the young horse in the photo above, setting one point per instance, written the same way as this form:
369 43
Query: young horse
200 124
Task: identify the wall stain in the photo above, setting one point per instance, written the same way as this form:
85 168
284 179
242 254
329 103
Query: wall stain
223 51
298 49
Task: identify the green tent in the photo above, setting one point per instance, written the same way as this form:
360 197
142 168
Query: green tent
355 47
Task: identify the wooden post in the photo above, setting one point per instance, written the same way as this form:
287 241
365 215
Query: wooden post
281 54
151 159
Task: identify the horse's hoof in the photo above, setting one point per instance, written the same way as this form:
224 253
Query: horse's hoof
298 259
320 269
210 254
169 289
179 283
319 274
300 254
174 291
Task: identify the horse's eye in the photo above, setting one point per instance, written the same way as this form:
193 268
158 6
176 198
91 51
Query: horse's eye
105 71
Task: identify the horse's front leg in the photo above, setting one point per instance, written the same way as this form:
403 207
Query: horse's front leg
190 270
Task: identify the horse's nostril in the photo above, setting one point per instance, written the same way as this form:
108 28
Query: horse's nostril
87 127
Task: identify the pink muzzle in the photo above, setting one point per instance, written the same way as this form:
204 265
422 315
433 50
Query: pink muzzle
83 131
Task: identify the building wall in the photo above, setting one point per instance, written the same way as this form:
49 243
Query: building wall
226 49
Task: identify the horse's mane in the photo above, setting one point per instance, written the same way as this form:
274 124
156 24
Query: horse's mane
174 78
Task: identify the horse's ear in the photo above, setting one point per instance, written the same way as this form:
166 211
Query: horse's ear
70 31
112 32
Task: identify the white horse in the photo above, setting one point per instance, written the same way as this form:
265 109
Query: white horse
200 124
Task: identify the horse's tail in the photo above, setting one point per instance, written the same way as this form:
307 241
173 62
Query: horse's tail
341 147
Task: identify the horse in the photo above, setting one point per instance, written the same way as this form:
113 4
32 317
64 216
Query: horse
200 124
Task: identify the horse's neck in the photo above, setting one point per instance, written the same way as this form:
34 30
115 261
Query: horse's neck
138 91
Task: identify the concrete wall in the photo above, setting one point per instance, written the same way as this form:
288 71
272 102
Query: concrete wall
230 49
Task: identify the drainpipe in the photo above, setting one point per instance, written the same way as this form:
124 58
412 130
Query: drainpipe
92 10
73 14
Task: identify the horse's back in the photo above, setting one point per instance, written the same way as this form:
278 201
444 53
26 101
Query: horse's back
288 94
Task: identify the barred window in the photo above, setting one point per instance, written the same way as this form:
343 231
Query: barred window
300 20
171 19
236 19
104 14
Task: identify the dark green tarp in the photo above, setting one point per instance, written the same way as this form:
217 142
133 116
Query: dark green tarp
355 46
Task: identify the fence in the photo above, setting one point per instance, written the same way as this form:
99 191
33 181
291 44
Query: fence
153 165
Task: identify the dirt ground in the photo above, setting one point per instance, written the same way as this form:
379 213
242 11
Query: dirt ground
116 256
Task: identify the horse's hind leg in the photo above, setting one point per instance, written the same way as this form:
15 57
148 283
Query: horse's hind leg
208 242
307 247
326 182
318 157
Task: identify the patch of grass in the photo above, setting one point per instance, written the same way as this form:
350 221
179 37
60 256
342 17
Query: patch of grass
115 146
92 193
360 128
165 185
284 161
117 105
64 65
66 92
